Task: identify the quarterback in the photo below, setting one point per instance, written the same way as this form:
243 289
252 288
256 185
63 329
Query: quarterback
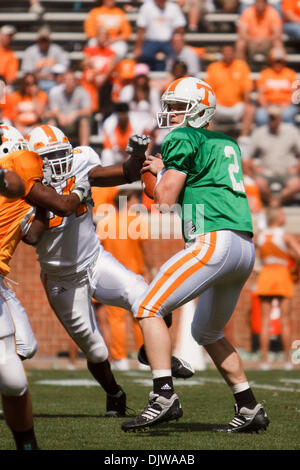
201 170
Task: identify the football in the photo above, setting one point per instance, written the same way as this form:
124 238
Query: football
148 183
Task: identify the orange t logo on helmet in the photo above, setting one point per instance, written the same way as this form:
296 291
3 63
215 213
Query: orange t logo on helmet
207 89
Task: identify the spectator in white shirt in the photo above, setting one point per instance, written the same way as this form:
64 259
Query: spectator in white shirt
41 57
183 53
142 98
156 22
70 109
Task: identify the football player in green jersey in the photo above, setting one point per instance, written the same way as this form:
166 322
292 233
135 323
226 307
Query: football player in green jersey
201 170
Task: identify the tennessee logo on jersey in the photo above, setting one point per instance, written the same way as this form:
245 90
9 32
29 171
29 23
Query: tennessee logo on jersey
16 214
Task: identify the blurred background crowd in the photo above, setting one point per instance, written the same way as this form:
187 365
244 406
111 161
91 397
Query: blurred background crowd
97 69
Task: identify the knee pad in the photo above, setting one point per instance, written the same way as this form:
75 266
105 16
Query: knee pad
27 351
13 380
97 354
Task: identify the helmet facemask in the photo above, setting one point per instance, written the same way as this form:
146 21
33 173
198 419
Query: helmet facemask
164 116
59 160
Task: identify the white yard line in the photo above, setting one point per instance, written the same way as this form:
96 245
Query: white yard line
147 382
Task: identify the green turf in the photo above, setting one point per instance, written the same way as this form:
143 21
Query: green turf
71 418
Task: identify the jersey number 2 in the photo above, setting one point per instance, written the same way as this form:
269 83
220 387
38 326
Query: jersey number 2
234 169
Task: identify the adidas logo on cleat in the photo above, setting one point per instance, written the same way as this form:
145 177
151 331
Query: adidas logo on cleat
166 387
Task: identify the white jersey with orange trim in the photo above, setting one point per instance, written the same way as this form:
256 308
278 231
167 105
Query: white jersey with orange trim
273 249
75 268
70 243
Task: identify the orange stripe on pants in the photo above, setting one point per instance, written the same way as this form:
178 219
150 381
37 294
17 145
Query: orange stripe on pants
182 278
189 256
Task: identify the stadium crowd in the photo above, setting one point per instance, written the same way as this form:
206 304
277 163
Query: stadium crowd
114 91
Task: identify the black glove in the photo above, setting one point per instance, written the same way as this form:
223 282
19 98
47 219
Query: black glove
137 145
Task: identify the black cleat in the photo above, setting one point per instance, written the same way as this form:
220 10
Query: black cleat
116 405
158 410
180 368
246 420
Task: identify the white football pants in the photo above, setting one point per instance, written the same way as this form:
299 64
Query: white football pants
13 380
26 343
108 282
213 268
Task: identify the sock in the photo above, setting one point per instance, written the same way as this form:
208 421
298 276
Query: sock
101 371
163 386
25 440
243 396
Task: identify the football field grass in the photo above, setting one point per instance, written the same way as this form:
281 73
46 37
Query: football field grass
69 412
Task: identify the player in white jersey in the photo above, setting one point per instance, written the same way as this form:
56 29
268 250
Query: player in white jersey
74 265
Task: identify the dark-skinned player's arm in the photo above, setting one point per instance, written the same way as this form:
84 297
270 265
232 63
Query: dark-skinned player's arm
37 227
11 185
129 171
47 198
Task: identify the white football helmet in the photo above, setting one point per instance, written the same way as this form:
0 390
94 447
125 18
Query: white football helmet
200 102
11 140
54 148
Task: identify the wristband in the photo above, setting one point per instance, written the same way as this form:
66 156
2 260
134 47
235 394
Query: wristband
159 176
79 193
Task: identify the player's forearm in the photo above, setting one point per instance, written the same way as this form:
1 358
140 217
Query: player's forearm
37 228
48 198
11 185
105 176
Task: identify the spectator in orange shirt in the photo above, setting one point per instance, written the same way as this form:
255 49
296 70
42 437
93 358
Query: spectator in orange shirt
276 248
9 63
28 104
260 28
127 247
99 63
275 86
231 80
291 17
114 20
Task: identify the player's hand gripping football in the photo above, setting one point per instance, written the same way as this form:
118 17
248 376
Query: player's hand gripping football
137 145
154 164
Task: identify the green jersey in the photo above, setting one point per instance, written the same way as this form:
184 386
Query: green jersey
213 197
